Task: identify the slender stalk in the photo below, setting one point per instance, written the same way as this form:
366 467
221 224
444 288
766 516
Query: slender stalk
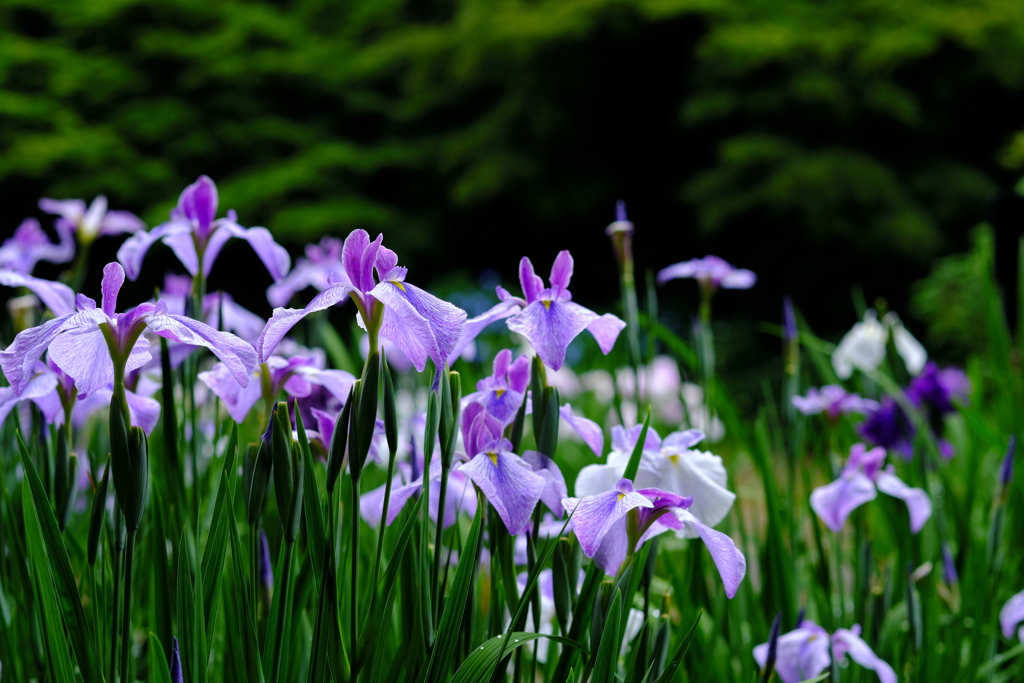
354 553
115 561
254 568
282 615
439 597
383 526
126 621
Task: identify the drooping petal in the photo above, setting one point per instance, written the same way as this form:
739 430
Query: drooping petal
588 430
237 399
273 255
594 515
918 504
613 549
474 326
1011 615
419 323
83 354
56 296
834 502
605 330
731 564
550 326
554 487
133 250
37 387
19 359
236 354
118 222
285 319
509 484
848 642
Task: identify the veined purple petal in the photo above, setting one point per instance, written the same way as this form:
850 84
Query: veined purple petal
198 202
222 312
360 256
183 244
918 504
613 549
37 387
531 283
56 296
561 271
274 256
605 330
550 326
834 502
83 354
588 430
143 411
419 323
285 319
732 566
554 487
133 250
1011 615
113 278
801 654
386 262
474 326
509 484
595 515
19 359
237 399
845 641
237 355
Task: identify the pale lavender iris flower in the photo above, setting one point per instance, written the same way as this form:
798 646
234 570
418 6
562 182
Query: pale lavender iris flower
77 341
421 325
803 653
92 221
710 271
196 236
1011 615
862 476
314 270
29 245
505 390
548 317
600 523
511 484
56 296
834 401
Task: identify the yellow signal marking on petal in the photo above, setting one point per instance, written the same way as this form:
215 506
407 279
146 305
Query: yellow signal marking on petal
398 284
674 459
621 496
547 305
498 393
494 458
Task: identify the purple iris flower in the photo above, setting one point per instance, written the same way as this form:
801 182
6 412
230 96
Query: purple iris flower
834 401
889 427
78 341
1011 615
509 482
938 390
600 523
29 245
56 296
176 674
548 318
711 271
419 323
296 376
314 270
196 236
803 653
504 391
861 477
91 222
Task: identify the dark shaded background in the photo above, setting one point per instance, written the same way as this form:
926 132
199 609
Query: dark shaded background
825 145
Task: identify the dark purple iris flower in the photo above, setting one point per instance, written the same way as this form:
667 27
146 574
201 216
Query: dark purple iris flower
419 323
600 523
196 236
889 427
86 343
29 245
938 390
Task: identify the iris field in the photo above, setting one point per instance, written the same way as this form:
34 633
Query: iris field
375 485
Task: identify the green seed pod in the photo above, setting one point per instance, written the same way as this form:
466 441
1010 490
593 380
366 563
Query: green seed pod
599 615
547 437
339 442
133 504
390 409
262 467
99 505
366 415
454 405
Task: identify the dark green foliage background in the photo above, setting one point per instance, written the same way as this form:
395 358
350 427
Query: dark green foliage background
821 144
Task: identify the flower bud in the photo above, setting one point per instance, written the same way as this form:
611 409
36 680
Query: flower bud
1006 470
451 401
99 505
365 411
339 441
262 467
266 569
176 675
621 232
390 409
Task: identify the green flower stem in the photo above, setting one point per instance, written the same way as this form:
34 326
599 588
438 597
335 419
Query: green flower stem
282 615
439 597
383 527
127 619
254 568
354 553
115 567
